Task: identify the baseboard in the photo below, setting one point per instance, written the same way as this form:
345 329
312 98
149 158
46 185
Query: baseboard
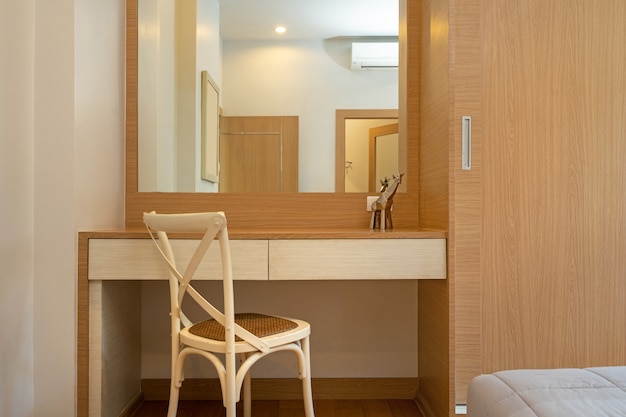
290 389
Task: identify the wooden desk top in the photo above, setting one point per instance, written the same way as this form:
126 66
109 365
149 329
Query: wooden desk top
276 234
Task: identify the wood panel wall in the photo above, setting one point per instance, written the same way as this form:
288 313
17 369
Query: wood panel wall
554 172
428 103
465 197
545 86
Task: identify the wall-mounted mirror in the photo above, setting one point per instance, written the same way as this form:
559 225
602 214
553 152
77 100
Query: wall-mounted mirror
305 72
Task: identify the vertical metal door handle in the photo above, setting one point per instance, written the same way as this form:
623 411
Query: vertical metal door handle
466 143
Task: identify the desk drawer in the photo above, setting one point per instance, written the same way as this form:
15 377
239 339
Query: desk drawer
339 259
138 259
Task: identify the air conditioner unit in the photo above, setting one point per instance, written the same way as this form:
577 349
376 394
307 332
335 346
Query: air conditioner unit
374 55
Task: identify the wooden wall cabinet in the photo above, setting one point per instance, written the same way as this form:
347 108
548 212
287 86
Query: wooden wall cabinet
536 227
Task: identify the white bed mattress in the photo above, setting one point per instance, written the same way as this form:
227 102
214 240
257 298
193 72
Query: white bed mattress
589 392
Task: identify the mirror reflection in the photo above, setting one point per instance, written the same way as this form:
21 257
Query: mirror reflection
366 167
305 73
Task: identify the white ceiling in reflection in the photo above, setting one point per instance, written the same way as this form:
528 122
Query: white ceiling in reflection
307 19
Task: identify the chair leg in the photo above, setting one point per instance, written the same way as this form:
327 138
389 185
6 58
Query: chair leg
307 392
176 379
246 389
173 404
229 393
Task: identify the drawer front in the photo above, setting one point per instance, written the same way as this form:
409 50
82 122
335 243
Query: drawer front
138 259
354 259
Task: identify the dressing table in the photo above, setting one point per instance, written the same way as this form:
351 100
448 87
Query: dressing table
112 264
274 237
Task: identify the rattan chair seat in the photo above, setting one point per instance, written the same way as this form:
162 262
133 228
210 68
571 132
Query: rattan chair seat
258 324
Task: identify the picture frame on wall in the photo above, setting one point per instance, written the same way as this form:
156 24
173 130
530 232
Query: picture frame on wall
210 109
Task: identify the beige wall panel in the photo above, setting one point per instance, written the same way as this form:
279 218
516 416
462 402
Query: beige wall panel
554 211
357 259
138 259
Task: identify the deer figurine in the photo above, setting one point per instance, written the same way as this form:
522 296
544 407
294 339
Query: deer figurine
381 208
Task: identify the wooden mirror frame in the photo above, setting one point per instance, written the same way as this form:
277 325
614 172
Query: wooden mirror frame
281 211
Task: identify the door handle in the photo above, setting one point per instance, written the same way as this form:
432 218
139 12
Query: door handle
466 143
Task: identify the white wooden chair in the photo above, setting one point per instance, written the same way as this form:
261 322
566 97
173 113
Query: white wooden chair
225 335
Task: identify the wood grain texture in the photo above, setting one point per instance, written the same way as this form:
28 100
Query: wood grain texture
290 143
94 355
131 100
428 98
376 133
554 228
409 112
339 259
274 210
269 234
289 408
285 259
432 106
267 146
290 389
433 351
465 196
138 259
403 111
82 329
543 97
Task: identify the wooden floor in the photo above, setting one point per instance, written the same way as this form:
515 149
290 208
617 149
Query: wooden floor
289 408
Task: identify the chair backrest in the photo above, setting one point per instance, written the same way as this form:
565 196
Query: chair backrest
212 226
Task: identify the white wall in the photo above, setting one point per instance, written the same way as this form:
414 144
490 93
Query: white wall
177 41
208 57
16 208
309 79
61 139
156 98
359 329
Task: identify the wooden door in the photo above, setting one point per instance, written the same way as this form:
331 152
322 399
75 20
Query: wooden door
383 154
259 154
540 240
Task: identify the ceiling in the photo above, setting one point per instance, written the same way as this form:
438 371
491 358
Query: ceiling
307 19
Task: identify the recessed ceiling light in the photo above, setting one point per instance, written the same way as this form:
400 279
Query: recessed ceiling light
280 29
